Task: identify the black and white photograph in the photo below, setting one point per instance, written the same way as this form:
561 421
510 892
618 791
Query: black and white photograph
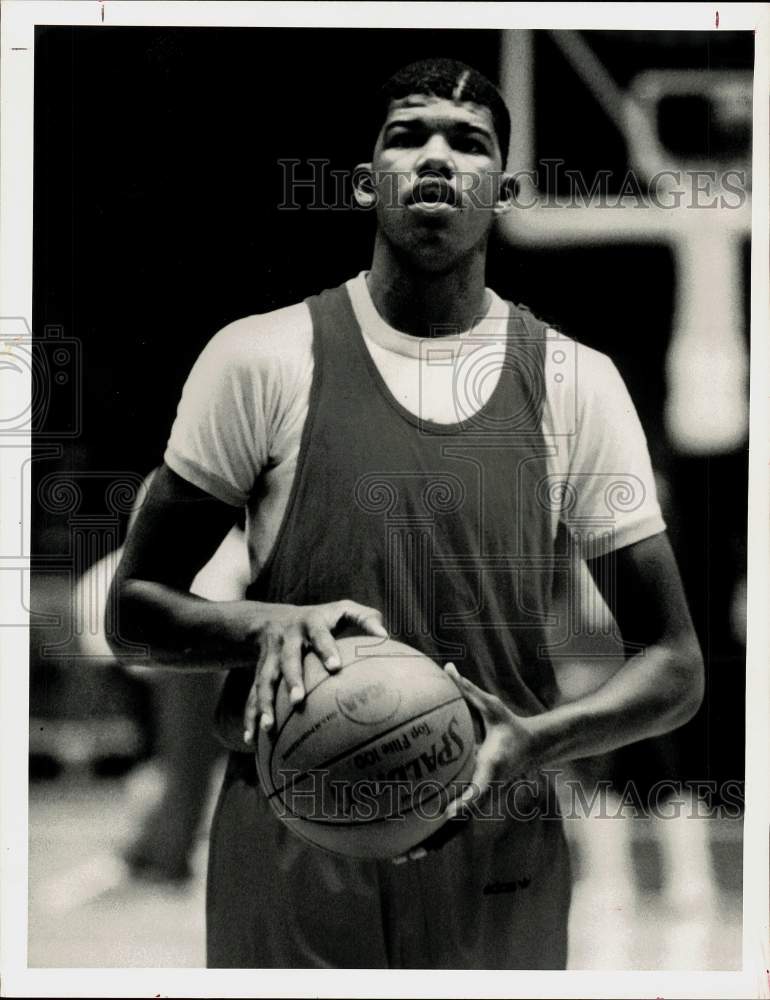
384 446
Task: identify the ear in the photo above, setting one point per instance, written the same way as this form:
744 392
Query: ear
506 195
363 185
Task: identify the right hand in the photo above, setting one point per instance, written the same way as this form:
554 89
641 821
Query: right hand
284 633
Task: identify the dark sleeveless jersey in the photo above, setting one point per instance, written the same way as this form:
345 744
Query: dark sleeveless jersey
439 526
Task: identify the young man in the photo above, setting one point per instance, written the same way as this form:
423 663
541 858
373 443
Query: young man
397 443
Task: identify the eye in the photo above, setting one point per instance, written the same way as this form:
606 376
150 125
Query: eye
402 137
472 145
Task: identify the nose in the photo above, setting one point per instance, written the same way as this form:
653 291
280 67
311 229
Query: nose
436 157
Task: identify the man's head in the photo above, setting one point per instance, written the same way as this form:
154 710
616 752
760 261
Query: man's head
454 81
436 175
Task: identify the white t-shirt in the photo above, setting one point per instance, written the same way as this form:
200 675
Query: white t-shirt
239 423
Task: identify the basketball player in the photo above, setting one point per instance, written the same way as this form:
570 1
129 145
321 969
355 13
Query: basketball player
396 442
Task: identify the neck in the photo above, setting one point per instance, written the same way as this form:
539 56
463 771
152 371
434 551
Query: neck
424 303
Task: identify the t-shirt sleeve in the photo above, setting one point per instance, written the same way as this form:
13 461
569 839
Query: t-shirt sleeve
218 440
232 406
609 498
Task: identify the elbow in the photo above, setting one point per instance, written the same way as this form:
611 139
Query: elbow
112 616
690 683
121 627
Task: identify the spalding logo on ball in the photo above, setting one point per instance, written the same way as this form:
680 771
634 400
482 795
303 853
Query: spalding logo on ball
366 765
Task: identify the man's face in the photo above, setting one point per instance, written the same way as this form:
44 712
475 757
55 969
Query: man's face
437 176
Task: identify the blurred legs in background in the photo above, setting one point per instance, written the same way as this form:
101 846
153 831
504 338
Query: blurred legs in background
183 705
182 708
632 862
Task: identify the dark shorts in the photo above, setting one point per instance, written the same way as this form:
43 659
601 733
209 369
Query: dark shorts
494 897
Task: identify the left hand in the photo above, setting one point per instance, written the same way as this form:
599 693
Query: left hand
505 754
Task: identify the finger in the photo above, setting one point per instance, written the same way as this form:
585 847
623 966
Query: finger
417 854
291 666
480 721
322 641
368 619
269 674
470 692
458 809
372 624
454 673
488 705
250 713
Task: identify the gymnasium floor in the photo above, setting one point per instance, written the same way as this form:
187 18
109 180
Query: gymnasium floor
628 913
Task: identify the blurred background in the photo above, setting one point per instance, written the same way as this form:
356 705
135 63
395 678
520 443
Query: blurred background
160 216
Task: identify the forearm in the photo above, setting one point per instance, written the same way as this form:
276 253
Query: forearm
654 692
181 630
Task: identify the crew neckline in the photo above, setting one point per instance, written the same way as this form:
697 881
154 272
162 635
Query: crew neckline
493 325
354 288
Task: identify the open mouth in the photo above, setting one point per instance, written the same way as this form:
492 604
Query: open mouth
432 193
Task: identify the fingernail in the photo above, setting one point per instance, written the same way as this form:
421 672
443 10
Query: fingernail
400 860
333 661
265 722
296 694
381 630
418 853
247 736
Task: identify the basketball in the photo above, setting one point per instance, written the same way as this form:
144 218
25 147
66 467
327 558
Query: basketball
367 764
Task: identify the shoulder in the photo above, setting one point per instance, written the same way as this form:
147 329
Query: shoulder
277 341
596 366
594 372
579 381
564 356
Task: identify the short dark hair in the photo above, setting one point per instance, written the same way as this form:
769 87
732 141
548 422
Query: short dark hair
451 79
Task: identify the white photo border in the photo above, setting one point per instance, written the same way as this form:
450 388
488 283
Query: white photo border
19 18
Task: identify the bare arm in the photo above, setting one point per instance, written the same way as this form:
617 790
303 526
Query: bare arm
174 534
177 530
659 688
